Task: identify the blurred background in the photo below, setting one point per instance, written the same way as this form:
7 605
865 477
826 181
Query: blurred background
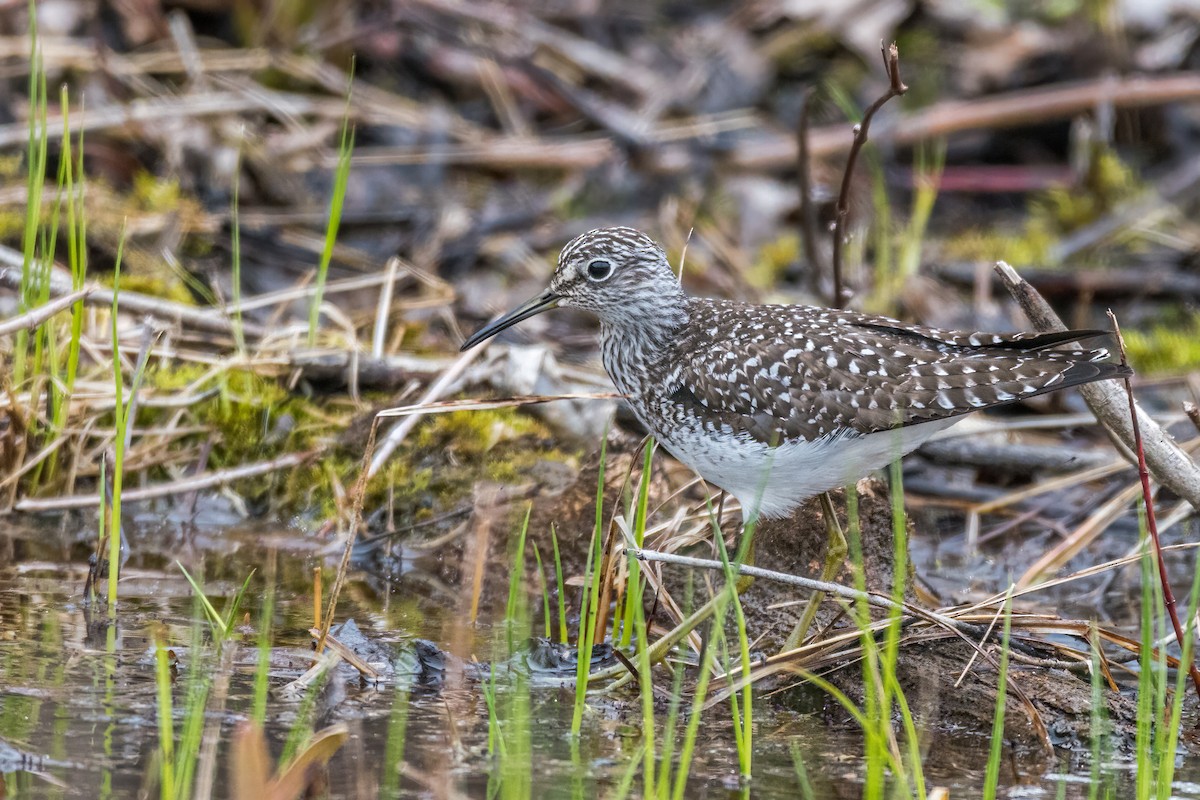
1058 136
312 203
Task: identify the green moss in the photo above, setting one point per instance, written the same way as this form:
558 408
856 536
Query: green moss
450 453
175 377
476 432
12 224
1107 182
154 285
243 413
434 470
773 260
152 193
1052 214
437 467
1030 245
1172 346
12 166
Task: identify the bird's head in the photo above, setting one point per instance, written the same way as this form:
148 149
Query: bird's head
616 273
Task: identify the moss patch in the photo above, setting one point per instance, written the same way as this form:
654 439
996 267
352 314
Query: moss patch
774 258
1168 347
448 454
1052 214
244 414
436 468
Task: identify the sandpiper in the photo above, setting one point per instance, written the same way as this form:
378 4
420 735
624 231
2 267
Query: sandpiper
778 403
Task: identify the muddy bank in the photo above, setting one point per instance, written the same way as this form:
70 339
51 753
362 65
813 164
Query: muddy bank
947 703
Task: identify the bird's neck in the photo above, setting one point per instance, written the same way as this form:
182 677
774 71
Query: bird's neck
644 335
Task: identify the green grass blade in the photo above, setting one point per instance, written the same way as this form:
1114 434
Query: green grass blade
590 598
166 725
35 180
341 177
634 594
1098 721
1143 735
119 411
991 776
1165 774
805 785
215 620
559 587
514 606
229 619
543 584
262 671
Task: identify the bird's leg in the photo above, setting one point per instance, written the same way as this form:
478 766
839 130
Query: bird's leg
835 556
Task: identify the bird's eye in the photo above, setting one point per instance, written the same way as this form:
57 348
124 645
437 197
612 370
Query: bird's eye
599 269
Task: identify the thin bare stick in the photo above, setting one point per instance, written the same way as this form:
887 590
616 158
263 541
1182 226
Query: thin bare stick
36 316
1167 462
777 151
801 582
447 406
896 87
207 480
1151 522
11 267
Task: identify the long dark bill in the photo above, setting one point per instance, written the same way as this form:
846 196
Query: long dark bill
534 306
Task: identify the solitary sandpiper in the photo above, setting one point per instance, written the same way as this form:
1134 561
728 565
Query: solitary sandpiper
778 403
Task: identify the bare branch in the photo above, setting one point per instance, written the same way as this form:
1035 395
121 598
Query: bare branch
1169 465
896 87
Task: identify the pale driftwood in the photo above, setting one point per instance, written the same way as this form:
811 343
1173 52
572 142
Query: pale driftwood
1167 462
36 316
11 265
204 481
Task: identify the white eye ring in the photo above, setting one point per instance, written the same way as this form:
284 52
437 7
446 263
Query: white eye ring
599 270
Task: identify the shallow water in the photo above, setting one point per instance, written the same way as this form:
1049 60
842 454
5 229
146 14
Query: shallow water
77 695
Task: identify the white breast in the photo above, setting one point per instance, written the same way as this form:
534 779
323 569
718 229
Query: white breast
774 481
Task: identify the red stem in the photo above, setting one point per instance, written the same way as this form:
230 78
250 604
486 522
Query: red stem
1151 522
896 87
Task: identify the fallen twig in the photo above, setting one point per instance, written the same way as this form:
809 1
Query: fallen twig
1021 107
1081 537
36 316
875 599
205 481
11 265
357 498
1167 462
447 406
397 434
1193 413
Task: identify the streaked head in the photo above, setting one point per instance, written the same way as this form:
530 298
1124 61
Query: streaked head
616 273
